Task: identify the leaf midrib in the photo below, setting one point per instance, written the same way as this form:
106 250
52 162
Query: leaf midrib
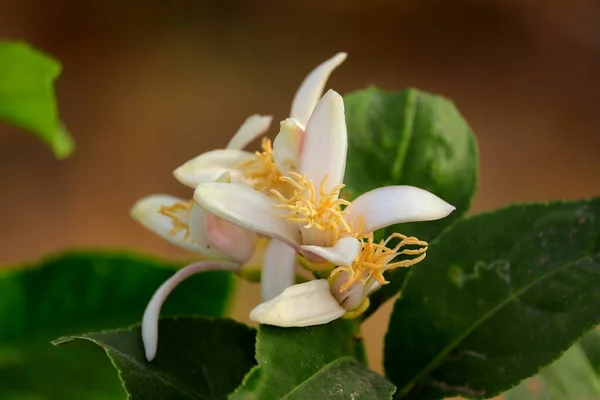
318 373
407 132
429 367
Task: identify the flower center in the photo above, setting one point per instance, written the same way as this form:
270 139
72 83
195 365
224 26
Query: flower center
376 258
262 170
322 212
179 213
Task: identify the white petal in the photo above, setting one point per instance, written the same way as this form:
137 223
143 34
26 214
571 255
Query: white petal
306 304
312 87
342 253
219 238
246 208
390 205
146 212
209 166
152 312
287 144
230 239
325 143
254 126
279 269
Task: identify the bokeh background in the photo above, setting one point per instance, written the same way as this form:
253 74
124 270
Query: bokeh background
148 84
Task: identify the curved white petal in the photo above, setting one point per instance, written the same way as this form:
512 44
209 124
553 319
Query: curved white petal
236 242
254 126
325 143
287 144
146 212
246 208
390 205
206 233
311 89
306 304
342 253
279 269
152 312
209 166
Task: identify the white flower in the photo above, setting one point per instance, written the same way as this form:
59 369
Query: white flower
232 248
260 170
187 225
311 218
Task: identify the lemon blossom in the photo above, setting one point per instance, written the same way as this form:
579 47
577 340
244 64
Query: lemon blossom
328 231
187 225
232 248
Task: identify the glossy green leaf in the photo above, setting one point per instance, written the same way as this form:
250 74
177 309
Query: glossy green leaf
77 292
409 138
197 358
498 296
27 97
570 377
317 362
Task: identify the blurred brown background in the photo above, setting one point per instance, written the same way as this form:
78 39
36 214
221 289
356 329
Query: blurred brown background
149 84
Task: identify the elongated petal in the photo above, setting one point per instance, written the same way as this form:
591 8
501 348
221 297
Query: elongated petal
147 212
325 143
246 208
279 269
150 319
209 166
306 304
287 145
390 205
342 253
253 127
311 89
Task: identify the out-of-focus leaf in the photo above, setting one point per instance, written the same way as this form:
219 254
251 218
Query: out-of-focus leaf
76 292
27 97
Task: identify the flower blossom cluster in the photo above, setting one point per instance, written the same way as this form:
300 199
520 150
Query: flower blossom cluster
281 208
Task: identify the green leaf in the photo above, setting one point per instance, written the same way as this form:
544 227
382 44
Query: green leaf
590 344
197 358
498 296
409 138
317 362
76 292
570 377
27 97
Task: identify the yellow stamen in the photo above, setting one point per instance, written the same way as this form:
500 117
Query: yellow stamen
178 212
376 258
324 214
262 170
